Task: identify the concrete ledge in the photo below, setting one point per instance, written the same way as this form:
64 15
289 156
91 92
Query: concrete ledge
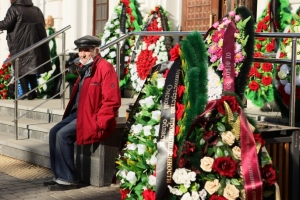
95 163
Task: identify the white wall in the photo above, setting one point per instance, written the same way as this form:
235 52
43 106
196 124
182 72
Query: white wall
79 14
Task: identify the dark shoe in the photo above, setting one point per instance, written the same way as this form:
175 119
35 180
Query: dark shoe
60 187
47 183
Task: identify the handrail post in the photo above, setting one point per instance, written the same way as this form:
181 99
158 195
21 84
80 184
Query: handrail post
16 70
63 59
118 61
293 84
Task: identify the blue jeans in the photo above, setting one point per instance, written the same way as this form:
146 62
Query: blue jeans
61 143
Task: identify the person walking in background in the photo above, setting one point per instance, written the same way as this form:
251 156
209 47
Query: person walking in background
90 116
25 25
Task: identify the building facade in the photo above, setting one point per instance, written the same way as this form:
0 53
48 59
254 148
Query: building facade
89 16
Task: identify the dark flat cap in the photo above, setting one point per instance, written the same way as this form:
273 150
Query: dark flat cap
87 41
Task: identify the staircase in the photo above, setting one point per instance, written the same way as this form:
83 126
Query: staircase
32 144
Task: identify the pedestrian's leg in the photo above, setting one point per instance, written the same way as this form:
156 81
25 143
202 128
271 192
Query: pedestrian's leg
52 140
64 154
33 84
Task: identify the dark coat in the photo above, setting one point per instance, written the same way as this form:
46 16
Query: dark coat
25 26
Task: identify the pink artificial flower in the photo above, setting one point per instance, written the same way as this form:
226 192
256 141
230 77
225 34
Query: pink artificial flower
213 48
227 21
237 47
225 18
216 24
221 67
236 73
213 58
237 18
218 35
231 13
238 57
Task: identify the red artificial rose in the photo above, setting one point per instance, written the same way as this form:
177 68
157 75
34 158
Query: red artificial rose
132 18
179 110
267 67
270 47
180 91
177 128
124 193
261 39
258 46
187 148
253 85
174 52
286 41
260 25
225 166
282 55
267 19
265 27
230 100
2 85
175 149
216 197
182 162
128 10
253 71
126 2
257 55
256 65
266 80
149 194
259 139
210 137
269 174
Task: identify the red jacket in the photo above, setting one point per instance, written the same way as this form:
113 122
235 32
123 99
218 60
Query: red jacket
98 105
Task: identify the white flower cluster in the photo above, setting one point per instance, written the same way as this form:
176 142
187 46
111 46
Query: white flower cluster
283 74
184 178
159 51
214 85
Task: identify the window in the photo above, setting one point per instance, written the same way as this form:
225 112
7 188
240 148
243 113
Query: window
100 16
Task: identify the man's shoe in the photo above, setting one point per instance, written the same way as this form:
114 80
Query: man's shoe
47 183
60 187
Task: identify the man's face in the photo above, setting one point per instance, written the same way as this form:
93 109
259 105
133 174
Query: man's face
85 54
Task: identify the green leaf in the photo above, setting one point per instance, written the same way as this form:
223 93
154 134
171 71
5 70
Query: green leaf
183 189
219 152
234 181
221 127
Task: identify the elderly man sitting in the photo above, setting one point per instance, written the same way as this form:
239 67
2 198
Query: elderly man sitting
90 115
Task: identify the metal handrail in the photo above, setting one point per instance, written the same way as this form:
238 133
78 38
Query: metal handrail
16 75
292 61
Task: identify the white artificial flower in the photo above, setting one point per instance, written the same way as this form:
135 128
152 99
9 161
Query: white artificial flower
147 130
104 52
117 23
152 180
156 127
136 129
285 68
131 177
203 194
131 146
114 16
298 80
179 174
156 115
162 38
126 58
151 47
195 195
141 149
287 88
153 160
111 26
161 82
186 196
283 82
148 102
122 173
174 191
192 176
